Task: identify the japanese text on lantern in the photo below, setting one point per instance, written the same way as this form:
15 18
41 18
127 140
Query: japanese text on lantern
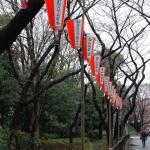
89 49
108 88
97 59
106 83
102 74
58 11
77 33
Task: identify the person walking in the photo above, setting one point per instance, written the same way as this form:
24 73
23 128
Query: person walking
143 137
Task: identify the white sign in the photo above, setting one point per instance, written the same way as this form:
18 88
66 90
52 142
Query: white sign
58 5
97 63
90 41
78 31
102 74
106 79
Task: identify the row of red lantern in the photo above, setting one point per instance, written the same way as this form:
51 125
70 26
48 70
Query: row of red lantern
95 60
104 82
99 72
111 93
56 12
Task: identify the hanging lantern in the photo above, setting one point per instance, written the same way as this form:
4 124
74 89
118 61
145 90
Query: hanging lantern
112 94
95 64
114 98
110 91
92 65
106 81
88 46
109 88
120 103
98 74
75 30
116 101
21 4
24 4
98 77
102 75
56 13
97 59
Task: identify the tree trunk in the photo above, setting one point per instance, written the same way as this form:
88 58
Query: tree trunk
13 140
115 137
34 125
100 130
15 126
9 33
70 139
72 125
1 120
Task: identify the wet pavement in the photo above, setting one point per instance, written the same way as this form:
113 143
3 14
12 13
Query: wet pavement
134 143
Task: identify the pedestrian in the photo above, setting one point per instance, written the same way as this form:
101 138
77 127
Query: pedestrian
143 137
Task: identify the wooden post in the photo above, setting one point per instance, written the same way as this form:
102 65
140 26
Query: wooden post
82 107
118 124
110 127
82 89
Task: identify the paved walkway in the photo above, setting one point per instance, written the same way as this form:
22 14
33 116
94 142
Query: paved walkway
135 143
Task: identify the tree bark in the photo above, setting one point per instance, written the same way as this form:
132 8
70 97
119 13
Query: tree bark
100 130
15 126
73 125
13 140
9 33
1 120
116 127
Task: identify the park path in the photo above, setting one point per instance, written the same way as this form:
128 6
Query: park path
134 143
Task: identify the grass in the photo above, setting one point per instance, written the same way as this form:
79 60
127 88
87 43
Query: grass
133 132
90 144
65 142
100 144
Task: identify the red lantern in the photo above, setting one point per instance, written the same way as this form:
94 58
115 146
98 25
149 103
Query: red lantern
120 103
117 101
88 47
109 89
95 64
97 59
24 4
56 12
98 77
21 4
106 82
92 65
75 30
112 94
102 75
114 98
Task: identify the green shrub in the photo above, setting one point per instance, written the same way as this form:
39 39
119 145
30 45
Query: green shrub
100 144
4 135
23 140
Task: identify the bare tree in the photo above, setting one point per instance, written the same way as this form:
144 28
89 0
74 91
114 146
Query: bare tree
139 119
